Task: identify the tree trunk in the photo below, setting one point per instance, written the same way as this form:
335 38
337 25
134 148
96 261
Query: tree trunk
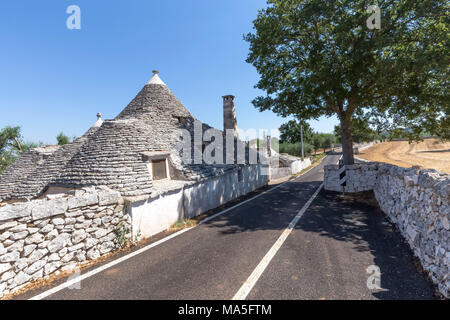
346 140
18 145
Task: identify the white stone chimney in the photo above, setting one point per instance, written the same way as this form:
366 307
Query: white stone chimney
229 114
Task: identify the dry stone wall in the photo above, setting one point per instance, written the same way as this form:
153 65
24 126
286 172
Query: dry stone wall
358 177
42 237
416 201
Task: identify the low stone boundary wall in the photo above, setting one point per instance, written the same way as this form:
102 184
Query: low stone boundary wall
299 165
359 177
42 237
417 201
277 172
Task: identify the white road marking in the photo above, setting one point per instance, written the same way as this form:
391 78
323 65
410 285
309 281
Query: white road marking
104 267
256 274
75 280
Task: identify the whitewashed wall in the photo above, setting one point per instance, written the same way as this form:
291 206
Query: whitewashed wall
294 167
155 215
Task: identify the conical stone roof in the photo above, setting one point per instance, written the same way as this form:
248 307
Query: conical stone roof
154 102
114 154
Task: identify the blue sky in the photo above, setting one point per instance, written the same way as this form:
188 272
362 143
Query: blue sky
53 79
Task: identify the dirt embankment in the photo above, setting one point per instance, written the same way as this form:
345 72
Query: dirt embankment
429 154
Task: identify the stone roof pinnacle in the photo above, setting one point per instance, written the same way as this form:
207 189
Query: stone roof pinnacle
156 79
99 121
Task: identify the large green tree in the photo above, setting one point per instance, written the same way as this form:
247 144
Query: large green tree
320 58
290 132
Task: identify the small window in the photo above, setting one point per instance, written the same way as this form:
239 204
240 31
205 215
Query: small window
159 170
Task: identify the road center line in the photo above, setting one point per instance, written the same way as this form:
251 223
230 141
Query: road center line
256 274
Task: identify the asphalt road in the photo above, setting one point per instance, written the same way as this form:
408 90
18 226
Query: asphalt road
325 257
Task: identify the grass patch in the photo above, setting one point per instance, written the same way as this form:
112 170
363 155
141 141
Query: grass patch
317 157
182 224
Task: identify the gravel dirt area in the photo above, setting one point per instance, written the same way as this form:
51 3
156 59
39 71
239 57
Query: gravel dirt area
428 154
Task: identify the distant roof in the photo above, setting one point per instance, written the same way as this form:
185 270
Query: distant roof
28 176
16 174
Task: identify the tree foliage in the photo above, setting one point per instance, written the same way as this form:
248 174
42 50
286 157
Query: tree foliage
62 139
295 149
323 140
318 58
328 141
10 139
12 145
361 131
290 132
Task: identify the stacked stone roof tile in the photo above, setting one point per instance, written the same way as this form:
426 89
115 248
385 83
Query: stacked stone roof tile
113 154
29 179
24 166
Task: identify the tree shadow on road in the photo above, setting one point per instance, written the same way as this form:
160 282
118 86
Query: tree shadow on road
354 222
273 211
357 219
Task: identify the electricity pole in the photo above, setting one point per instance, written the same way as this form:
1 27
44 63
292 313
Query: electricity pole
301 138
